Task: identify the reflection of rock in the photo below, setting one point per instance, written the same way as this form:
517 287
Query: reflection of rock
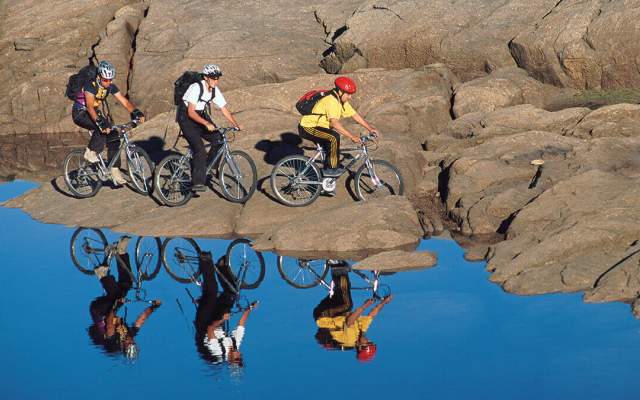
376 225
397 260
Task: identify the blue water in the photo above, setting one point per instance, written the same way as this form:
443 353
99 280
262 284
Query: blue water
447 334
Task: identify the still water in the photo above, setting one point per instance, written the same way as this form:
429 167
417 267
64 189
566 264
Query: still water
447 333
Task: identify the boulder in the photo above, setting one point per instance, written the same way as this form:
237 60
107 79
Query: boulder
40 47
502 88
355 229
397 260
471 40
583 44
515 119
615 120
572 238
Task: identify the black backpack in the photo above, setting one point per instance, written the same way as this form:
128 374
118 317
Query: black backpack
181 85
77 81
305 104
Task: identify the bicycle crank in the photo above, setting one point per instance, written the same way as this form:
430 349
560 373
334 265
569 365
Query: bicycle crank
329 184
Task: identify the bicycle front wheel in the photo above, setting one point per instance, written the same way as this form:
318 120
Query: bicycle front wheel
296 181
173 181
380 179
140 170
181 258
300 273
238 177
88 249
80 176
148 257
246 264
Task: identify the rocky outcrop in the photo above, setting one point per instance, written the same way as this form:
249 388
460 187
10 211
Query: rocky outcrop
377 225
502 88
398 260
583 44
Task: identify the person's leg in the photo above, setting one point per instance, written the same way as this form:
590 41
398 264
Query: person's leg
207 304
338 304
192 132
113 142
225 275
97 141
328 139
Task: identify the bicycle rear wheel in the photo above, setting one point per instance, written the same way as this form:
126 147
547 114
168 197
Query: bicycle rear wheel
246 264
148 257
295 181
88 249
300 273
140 170
173 181
180 257
80 176
382 180
238 181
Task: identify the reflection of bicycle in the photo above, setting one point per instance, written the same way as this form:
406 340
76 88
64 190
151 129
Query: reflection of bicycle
181 258
297 180
89 249
84 179
304 274
237 174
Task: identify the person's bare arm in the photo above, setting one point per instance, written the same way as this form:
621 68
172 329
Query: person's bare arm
338 127
145 314
245 314
124 101
372 129
229 116
375 310
111 329
353 317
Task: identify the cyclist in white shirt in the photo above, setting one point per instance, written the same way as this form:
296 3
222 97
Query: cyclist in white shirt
196 123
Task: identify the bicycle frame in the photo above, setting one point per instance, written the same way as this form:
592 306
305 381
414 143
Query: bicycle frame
362 153
124 144
372 283
224 150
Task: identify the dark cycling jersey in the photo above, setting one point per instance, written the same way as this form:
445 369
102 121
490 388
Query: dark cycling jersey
100 93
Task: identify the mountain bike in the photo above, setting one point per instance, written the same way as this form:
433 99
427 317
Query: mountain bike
84 179
89 249
236 173
305 274
297 180
181 258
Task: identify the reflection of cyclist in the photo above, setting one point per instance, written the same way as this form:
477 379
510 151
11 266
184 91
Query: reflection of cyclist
86 115
108 329
323 125
338 326
214 343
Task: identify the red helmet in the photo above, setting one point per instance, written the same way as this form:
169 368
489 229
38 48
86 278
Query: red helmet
367 352
345 84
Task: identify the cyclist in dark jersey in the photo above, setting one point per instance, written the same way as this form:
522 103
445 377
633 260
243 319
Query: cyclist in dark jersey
89 112
108 330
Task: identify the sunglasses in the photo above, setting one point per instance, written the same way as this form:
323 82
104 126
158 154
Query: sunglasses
106 80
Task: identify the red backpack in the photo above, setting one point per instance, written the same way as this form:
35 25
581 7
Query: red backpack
305 104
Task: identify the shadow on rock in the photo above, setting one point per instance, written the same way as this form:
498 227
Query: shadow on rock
275 150
154 146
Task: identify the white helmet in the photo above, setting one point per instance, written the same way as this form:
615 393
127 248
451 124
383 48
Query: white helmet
212 71
106 70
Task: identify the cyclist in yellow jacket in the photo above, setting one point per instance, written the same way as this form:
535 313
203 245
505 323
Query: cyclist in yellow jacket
323 125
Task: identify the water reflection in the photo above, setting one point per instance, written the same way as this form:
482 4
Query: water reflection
108 330
340 327
215 340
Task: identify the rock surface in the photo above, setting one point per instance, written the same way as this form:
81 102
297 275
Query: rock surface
398 260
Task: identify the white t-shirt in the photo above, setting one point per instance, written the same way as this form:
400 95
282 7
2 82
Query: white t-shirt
220 345
191 96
